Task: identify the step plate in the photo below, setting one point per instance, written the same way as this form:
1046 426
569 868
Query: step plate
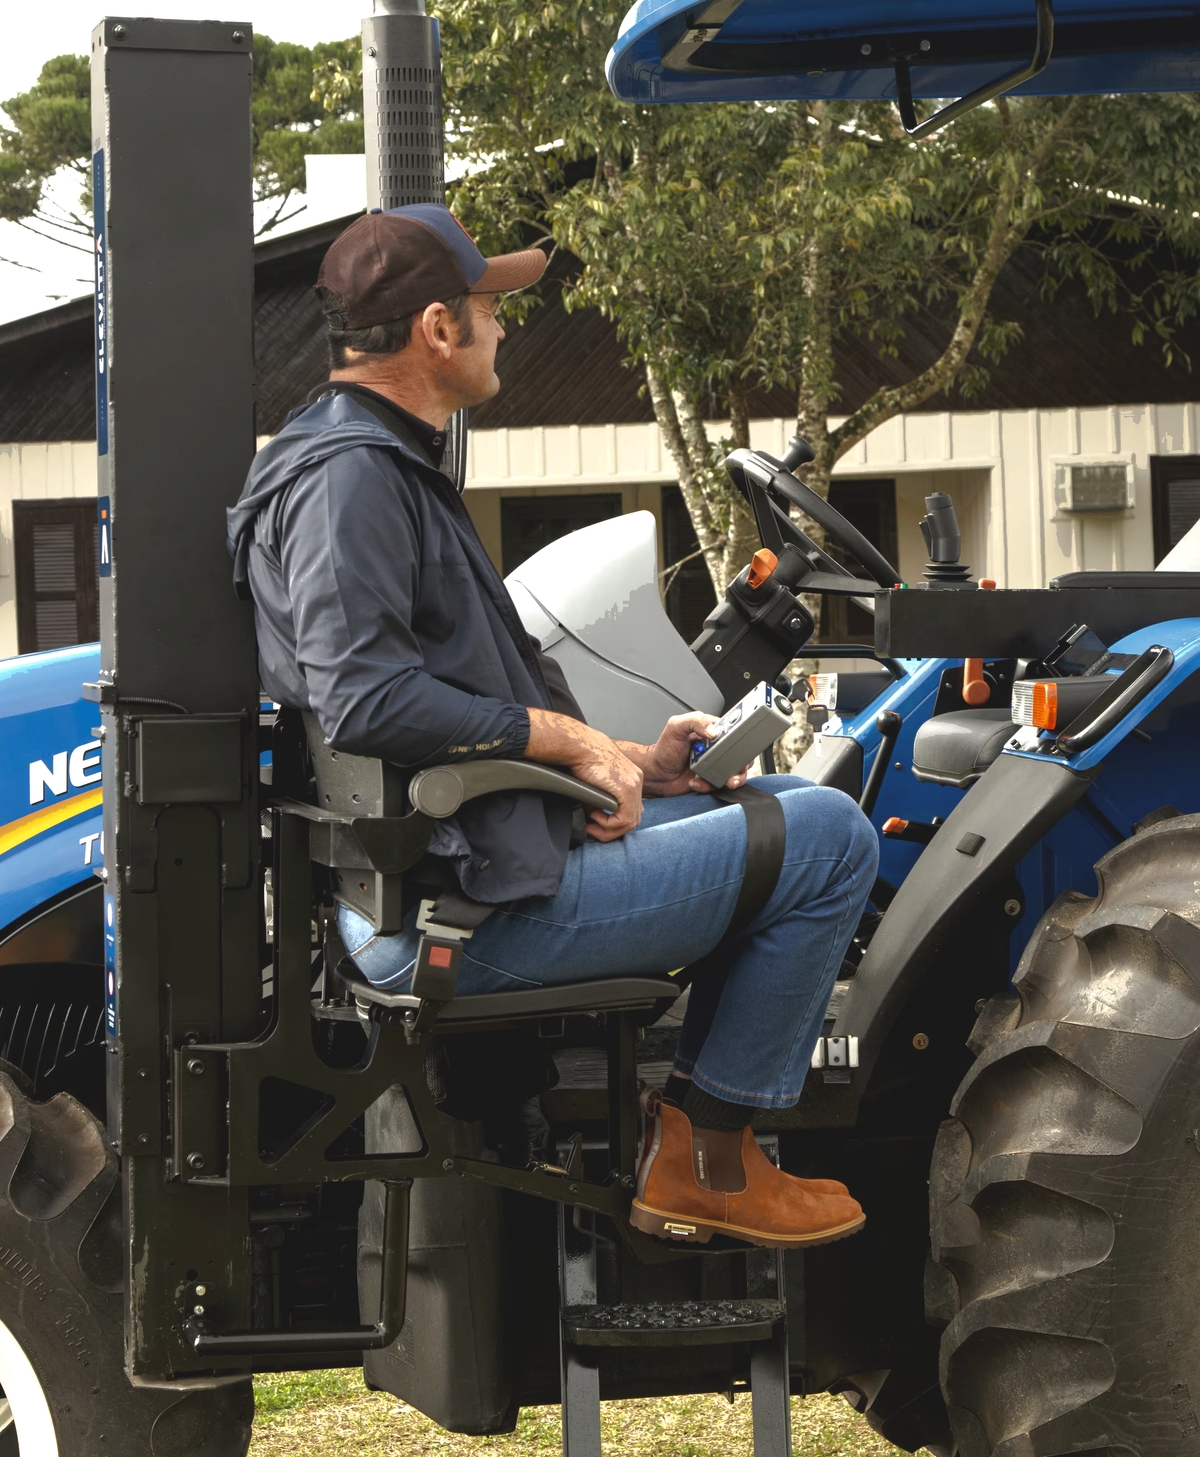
680 1323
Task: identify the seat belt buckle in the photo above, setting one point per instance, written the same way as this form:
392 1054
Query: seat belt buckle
439 956
436 975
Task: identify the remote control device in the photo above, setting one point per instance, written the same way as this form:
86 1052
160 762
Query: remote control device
743 733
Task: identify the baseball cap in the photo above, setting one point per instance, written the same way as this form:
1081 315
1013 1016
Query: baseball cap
387 265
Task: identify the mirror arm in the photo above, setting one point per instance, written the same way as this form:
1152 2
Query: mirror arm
1042 49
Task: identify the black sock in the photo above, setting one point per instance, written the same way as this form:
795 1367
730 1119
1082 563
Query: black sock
705 1111
676 1089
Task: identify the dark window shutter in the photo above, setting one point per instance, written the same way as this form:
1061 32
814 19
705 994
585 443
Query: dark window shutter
57 589
690 596
528 523
871 506
1175 489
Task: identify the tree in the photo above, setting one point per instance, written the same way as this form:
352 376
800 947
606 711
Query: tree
51 130
303 101
734 245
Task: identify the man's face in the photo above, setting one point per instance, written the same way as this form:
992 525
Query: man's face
472 365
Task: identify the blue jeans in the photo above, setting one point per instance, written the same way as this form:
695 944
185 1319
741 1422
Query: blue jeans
660 898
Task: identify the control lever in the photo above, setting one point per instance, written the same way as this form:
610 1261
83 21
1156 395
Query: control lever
798 453
943 542
976 690
887 725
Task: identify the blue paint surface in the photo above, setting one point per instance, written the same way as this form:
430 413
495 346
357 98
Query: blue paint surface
652 27
45 727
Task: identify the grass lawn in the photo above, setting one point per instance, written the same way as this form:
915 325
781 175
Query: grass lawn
332 1414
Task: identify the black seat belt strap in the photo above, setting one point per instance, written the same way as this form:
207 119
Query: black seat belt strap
766 841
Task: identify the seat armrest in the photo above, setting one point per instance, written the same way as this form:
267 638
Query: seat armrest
439 791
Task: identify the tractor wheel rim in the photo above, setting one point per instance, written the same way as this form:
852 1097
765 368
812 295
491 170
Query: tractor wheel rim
25 1399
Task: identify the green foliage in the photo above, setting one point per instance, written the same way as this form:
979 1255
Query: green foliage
51 128
303 101
734 246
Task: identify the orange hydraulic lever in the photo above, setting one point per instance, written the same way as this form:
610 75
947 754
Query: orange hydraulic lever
975 689
762 564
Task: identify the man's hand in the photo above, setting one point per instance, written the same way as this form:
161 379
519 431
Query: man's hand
594 758
666 765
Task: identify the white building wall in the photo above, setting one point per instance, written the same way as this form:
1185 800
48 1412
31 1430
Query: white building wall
1001 468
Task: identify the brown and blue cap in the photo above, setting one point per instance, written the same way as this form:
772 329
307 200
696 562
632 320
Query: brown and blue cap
388 265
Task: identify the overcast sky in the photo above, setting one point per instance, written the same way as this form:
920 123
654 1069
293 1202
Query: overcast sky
35 275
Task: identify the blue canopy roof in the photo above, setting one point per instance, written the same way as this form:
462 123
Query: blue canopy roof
772 50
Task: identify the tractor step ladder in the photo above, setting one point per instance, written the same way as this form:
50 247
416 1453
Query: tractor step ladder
588 1329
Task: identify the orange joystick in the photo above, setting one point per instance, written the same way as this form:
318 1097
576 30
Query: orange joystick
762 564
975 689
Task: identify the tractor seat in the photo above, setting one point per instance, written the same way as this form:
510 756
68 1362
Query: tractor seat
955 748
625 993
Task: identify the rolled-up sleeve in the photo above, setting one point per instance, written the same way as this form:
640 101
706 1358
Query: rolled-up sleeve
351 560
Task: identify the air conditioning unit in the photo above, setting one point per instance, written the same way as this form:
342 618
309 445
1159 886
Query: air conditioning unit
1099 486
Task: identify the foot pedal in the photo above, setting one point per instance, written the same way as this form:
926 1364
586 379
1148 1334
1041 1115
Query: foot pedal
835 1058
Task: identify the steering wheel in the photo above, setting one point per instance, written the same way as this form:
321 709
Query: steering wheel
776 478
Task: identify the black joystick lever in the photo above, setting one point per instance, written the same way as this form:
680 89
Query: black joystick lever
798 453
943 542
888 725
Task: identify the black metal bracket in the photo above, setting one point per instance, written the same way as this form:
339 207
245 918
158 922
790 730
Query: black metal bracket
1043 47
392 1289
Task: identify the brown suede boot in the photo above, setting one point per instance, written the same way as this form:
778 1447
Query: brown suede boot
822 1186
773 1209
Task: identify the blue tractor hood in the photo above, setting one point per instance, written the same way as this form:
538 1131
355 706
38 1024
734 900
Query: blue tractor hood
774 50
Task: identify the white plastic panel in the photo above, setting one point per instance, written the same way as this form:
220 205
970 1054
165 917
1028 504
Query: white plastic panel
600 585
1184 556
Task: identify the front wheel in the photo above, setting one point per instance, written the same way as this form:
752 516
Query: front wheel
65 1392
1065 1188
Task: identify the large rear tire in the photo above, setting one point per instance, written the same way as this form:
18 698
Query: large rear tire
61 1338
1065 1188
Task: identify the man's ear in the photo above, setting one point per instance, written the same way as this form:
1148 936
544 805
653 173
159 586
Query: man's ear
437 325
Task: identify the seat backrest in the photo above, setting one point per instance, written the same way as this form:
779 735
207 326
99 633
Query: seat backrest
366 861
352 784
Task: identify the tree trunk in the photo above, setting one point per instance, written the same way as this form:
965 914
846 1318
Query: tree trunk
724 526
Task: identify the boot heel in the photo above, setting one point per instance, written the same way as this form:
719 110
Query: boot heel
668 1226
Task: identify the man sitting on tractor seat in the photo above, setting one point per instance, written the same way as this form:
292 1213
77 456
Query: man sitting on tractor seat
379 611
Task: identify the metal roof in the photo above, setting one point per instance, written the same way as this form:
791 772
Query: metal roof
771 50
562 368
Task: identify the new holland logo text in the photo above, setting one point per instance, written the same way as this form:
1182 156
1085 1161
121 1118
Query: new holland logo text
73 770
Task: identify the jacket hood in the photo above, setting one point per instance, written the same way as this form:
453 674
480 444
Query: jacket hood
317 432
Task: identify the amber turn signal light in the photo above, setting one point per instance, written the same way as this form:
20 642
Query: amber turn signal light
1045 705
762 564
1035 704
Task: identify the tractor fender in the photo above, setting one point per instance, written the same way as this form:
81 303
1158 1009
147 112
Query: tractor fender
999 819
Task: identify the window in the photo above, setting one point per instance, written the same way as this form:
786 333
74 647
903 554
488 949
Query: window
871 507
690 595
528 523
58 599
1175 489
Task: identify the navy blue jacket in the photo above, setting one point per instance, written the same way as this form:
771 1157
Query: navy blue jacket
378 609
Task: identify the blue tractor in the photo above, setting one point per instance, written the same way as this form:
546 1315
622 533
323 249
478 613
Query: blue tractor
233 1155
